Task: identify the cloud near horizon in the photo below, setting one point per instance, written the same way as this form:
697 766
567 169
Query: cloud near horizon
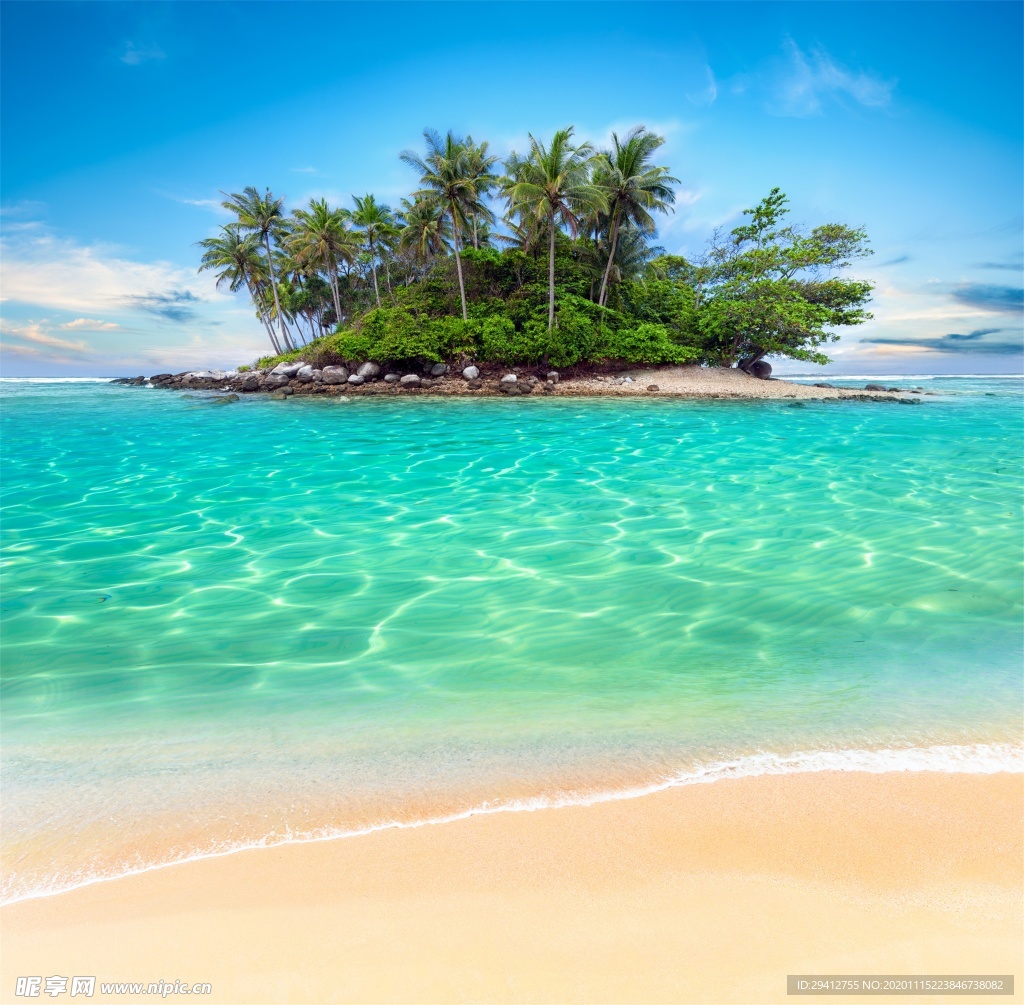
34 332
89 325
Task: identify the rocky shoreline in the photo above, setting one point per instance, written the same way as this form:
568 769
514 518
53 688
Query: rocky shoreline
299 378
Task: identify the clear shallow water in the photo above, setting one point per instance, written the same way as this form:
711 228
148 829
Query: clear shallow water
225 625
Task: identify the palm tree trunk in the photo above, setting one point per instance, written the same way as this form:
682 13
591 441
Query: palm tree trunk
551 277
334 291
373 267
611 258
475 241
263 317
458 262
273 286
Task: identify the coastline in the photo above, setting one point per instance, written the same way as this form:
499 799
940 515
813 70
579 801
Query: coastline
665 382
657 898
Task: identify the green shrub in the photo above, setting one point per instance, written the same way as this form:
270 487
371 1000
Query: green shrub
646 343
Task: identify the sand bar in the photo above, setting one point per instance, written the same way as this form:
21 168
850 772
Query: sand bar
705 893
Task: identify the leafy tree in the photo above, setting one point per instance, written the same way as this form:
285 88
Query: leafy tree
321 239
773 290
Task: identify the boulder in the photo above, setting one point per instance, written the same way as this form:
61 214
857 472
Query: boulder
275 380
392 378
874 387
894 389
652 387
334 374
410 380
356 378
249 382
289 369
279 396
160 378
225 399
552 375
471 372
368 370
509 378
474 383
824 385
304 374
427 382
760 369
531 380
318 376
438 369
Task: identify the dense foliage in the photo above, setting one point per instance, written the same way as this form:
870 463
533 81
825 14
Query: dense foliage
568 276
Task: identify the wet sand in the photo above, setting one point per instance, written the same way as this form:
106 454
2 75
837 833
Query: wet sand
705 893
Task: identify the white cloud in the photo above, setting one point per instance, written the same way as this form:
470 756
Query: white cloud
60 274
89 325
134 54
800 84
706 92
305 170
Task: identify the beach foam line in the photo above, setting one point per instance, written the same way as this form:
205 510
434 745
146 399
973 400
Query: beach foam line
952 759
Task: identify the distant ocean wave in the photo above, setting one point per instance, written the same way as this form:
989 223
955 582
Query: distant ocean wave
952 759
901 376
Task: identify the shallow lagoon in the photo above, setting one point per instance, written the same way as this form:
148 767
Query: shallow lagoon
224 625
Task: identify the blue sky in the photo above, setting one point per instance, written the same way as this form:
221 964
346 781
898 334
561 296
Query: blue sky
122 122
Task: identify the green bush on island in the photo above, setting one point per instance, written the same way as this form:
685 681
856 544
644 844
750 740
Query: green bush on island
569 276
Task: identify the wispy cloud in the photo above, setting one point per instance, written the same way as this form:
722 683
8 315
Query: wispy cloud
306 170
898 260
990 297
959 344
89 325
134 54
801 83
1007 266
174 305
706 92
34 332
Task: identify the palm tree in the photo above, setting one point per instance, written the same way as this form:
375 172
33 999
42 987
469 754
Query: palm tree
262 215
375 221
553 184
425 228
481 167
446 173
635 188
321 240
238 262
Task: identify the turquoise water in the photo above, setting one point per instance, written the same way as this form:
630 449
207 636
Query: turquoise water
232 624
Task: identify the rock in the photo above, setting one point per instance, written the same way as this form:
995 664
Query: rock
874 387
438 369
760 369
356 378
334 374
652 387
289 369
553 376
509 378
119 380
225 399
531 380
796 404
249 382
367 370
510 389
410 380
318 376
627 380
894 389
287 390
909 401
427 382
474 383
524 387
471 372
275 380
392 378
279 396
305 374
160 378
824 385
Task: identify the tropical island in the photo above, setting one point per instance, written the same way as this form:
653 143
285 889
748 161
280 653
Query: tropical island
568 278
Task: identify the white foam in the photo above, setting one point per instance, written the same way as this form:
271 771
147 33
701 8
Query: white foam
952 759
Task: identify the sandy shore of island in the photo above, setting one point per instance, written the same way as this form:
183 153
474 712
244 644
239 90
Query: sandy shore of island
705 893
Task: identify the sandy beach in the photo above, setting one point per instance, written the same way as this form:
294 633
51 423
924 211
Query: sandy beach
704 893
